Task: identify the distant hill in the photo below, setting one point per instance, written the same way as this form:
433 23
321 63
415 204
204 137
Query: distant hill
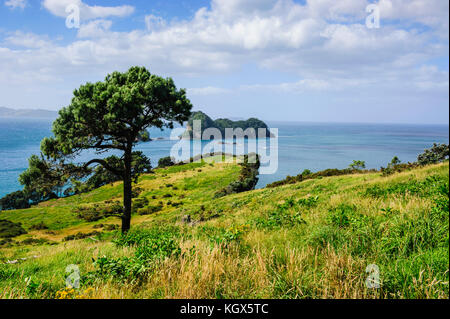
222 124
6 112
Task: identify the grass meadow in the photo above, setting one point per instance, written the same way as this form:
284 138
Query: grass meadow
313 239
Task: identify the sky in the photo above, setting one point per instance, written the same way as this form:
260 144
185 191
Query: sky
278 60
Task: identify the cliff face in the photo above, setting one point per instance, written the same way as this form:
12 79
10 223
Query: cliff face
222 124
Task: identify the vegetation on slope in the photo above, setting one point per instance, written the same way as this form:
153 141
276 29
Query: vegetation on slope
221 125
310 239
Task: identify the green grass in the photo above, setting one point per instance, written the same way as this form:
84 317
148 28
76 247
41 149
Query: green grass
312 239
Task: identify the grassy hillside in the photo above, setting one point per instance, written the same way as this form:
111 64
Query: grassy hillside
313 239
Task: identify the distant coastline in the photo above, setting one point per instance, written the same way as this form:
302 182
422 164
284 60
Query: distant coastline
6 112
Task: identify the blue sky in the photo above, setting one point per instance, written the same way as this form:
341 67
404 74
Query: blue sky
273 59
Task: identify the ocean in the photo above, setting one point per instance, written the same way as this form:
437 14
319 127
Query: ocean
314 146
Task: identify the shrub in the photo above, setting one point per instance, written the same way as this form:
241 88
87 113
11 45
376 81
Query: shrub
306 172
247 179
357 165
139 203
175 204
35 241
308 202
81 235
39 226
285 215
226 237
16 200
9 229
107 227
136 191
341 215
149 210
95 212
110 227
158 247
151 246
165 162
438 153
6 242
395 166
139 236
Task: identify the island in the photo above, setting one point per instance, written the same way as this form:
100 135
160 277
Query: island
221 124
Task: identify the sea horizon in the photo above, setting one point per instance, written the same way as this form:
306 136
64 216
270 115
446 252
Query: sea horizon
301 145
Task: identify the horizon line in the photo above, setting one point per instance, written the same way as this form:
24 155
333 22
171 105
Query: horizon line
265 120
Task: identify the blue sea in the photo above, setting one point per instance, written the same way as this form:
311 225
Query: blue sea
313 146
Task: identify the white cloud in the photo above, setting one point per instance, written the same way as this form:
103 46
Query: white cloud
275 34
325 43
13 4
209 90
27 40
87 12
94 29
432 13
154 23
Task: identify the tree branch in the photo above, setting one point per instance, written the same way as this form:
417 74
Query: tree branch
118 172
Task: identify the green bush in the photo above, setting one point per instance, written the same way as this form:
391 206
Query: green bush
110 227
81 235
151 246
226 237
284 215
308 202
341 216
157 248
6 242
9 229
357 165
149 210
16 200
247 179
35 241
138 236
165 162
139 203
437 154
39 226
95 212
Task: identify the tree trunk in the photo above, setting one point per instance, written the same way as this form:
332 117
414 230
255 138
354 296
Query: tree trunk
127 193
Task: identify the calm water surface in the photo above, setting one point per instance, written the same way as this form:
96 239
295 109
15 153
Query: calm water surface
314 146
